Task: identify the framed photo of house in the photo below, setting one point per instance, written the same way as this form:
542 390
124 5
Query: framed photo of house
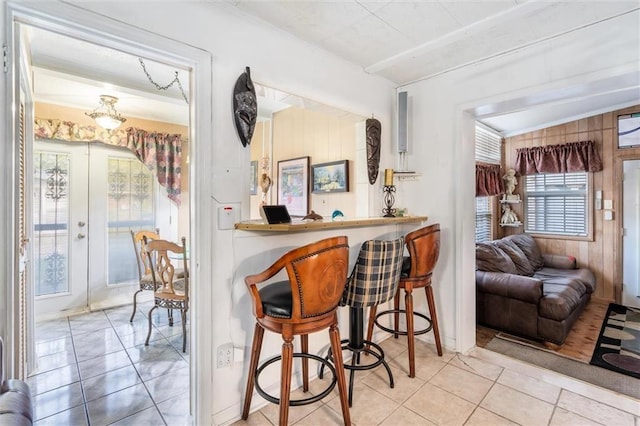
253 178
330 177
293 185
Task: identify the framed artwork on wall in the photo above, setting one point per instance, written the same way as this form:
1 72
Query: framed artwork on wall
629 130
330 177
253 178
293 185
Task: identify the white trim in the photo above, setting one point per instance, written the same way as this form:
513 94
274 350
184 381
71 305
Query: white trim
76 22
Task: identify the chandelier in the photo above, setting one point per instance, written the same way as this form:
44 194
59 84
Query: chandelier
106 115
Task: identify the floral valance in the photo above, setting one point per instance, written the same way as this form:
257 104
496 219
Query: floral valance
160 152
488 180
565 158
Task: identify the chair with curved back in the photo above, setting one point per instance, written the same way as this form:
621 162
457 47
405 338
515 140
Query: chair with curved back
145 279
305 303
424 249
172 291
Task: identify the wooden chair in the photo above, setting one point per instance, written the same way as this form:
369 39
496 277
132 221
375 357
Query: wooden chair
172 292
145 279
304 304
424 248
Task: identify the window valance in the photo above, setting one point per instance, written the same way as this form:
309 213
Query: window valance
565 158
160 152
488 180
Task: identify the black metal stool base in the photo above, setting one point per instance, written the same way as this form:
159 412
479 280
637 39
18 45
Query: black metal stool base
401 332
368 348
297 402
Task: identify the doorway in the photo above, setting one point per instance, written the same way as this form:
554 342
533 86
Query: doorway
631 233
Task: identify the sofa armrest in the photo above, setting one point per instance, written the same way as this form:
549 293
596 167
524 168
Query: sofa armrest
526 289
558 261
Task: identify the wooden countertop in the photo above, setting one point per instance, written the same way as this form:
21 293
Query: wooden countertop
296 226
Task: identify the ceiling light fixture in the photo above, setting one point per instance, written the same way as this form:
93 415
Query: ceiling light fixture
106 115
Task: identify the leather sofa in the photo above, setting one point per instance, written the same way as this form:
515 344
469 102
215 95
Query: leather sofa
524 292
16 407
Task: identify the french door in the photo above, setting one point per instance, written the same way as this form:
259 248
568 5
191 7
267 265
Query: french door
86 200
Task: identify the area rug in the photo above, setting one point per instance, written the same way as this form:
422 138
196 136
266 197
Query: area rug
598 376
618 346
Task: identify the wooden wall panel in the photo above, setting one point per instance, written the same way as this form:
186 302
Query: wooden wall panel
602 253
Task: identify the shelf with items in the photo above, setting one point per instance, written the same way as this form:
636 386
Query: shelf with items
510 201
405 175
511 225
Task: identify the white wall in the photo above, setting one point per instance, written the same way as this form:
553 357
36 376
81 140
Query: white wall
442 114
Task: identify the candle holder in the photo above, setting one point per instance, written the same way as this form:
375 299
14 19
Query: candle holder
389 199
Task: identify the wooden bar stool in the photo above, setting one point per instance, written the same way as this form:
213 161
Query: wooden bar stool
373 281
306 303
424 248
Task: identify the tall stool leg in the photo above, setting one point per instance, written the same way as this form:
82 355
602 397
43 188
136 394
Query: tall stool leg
408 300
258 333
372 317
285 377
304 344
434 317
336 347
396 315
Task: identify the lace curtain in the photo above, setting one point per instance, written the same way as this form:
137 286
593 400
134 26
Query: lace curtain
488 180
565 158
160 152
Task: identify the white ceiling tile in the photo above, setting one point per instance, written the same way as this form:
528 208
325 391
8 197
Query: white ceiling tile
419 21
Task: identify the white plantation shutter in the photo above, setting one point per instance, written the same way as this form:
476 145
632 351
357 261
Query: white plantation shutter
557 203
488 150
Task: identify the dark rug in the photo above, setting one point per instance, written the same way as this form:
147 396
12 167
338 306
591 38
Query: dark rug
618 346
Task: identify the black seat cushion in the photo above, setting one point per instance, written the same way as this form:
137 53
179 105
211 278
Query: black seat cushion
406 267
276 299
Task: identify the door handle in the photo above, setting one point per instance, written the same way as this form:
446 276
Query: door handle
81 236
81 224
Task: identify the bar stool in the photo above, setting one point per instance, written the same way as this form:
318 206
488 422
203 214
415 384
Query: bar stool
424 248
306 303
373 281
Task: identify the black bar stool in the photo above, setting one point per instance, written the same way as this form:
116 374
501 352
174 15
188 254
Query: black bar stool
306 303
424 249
374 280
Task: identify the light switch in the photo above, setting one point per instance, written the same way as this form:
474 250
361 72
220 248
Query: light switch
608 215
227 217
608 204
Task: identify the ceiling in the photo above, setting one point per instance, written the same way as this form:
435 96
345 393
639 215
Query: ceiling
403 41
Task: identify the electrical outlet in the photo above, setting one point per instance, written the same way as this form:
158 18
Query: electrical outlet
225 355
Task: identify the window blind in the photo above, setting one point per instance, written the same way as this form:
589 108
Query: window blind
488 145
557 203
483 219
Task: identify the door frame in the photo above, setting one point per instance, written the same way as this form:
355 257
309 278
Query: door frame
73 21
619 171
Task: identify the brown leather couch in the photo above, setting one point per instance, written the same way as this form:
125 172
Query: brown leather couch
524 292
16 407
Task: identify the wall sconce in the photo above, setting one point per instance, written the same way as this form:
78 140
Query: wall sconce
389 190
106 115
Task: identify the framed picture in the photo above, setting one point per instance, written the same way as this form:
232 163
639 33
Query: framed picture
293 185
629 130
330 177
253 178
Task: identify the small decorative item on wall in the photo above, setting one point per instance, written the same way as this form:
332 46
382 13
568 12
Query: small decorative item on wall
629 130
253 178
330 177
373 128
245 107
293 185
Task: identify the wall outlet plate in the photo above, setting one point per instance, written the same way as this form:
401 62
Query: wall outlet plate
224 357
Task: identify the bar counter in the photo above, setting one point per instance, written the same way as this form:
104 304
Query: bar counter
299 226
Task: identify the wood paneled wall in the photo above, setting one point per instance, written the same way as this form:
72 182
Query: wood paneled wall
603 254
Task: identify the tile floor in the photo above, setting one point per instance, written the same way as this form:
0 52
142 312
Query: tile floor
94 369
481 388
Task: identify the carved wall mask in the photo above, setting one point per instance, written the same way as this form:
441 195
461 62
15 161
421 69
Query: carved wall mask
245 107
373 129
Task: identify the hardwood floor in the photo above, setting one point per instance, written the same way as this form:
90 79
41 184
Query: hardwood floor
580 342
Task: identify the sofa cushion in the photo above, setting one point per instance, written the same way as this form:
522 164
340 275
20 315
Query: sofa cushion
582 275
560 297
528 245
490 258
517 256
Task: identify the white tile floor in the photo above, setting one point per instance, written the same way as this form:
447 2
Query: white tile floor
94 369
481 388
